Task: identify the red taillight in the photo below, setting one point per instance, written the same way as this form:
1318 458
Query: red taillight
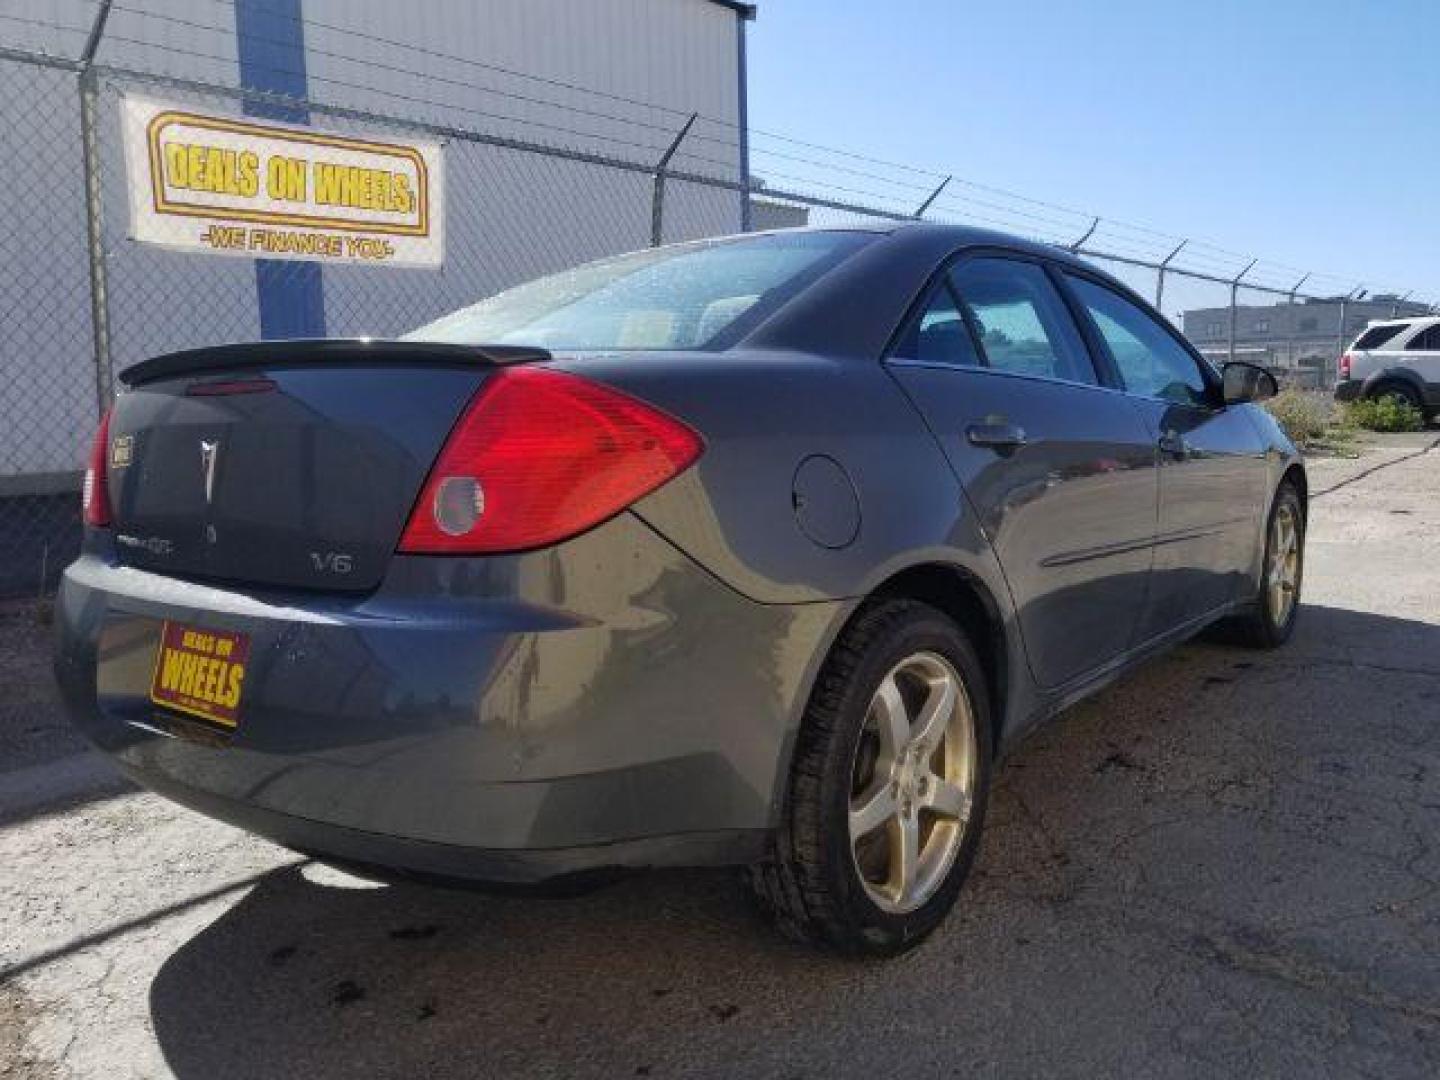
1345 366
539 456
95 494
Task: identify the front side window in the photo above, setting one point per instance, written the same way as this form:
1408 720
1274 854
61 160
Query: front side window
674 298
1150 360
1022 324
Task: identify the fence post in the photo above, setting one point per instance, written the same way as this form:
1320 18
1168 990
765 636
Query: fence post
1320 376
920 210
1340 331
1160 275
657 206
1296 287
1353 294
1086 235
89 89
1234 299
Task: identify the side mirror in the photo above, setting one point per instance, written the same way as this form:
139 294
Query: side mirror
1247 382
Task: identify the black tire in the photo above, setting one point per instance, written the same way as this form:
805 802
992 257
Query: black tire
1260 627
811 885
1401 391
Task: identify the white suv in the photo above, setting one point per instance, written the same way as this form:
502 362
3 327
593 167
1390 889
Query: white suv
1395 358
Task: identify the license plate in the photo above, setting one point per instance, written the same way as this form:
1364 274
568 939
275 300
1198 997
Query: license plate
201 672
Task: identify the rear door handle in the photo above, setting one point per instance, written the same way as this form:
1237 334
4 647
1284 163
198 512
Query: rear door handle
998 437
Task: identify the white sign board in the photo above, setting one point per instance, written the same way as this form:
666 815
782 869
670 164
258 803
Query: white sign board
262 190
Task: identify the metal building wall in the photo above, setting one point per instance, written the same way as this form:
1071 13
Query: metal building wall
513 216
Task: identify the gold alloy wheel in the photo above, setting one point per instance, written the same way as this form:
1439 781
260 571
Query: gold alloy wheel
912 782
1282 572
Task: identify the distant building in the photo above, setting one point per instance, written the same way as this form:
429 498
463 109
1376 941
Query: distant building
770 214
1303 338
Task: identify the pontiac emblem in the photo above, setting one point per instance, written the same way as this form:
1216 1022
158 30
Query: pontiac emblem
209 451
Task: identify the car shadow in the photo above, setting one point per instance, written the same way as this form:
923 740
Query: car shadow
311 979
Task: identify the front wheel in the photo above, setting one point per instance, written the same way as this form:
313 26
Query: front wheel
1272 620
888 786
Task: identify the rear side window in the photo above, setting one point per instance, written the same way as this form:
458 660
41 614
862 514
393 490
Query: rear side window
1022 323
1150 360
1379 335
680 297
939 335
1425 341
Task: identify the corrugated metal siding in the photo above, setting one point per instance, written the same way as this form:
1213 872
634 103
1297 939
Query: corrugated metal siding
514 215
677 54
47 371
174 37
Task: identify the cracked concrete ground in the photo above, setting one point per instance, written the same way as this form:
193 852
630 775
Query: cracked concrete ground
1225 865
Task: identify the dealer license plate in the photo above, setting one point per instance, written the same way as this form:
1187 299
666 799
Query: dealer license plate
201 672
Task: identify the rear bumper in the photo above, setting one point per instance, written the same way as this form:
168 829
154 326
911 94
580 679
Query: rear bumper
349 846
1349 390
603 704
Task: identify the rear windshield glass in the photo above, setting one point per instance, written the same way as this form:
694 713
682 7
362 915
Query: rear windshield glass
681 297
1379 335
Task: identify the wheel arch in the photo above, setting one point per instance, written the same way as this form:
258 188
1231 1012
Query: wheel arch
1375 380
1295 474
965 599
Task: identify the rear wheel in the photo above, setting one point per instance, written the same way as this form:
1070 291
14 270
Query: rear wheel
888 786
1400 392
1272 620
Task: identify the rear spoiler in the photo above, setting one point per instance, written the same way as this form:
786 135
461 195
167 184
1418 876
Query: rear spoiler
327 352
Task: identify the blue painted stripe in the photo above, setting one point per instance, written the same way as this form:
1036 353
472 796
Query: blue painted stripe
270 37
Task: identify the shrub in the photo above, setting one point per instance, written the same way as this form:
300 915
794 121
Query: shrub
1385 414
1303 417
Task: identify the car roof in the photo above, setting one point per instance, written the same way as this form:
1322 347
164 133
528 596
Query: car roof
853 308
927 235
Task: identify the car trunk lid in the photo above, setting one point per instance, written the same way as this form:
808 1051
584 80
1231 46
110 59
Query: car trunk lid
285 464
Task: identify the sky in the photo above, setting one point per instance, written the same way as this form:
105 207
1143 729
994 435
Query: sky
1303 131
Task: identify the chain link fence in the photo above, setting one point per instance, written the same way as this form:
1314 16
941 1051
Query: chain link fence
47 367
533 187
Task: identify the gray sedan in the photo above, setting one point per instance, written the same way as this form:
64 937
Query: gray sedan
754 551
